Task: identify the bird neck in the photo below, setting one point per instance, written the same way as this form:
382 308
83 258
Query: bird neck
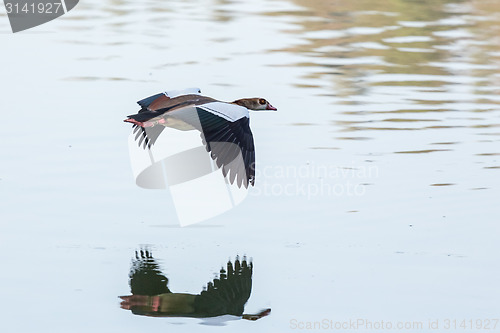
241 102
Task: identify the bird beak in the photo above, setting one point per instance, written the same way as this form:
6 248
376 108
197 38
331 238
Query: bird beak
270 107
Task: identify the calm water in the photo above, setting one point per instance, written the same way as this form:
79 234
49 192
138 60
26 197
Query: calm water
377 182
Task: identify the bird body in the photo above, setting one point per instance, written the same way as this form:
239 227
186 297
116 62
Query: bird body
155 106
224 127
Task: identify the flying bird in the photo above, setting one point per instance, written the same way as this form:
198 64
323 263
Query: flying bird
224 127
226 295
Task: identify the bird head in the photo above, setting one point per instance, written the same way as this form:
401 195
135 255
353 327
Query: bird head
256 104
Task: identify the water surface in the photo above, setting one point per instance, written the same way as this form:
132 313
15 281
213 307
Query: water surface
377 180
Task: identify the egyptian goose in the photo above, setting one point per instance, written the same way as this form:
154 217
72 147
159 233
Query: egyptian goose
226 295
224 127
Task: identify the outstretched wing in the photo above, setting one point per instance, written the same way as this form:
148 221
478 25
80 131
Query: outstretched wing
229 293
145 275
232 148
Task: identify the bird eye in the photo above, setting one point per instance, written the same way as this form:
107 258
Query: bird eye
262 101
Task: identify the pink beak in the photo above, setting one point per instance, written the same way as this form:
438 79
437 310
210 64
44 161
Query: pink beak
270 107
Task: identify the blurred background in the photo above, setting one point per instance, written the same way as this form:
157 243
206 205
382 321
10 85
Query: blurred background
378 179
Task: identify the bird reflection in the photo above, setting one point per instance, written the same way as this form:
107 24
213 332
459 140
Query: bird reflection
226 295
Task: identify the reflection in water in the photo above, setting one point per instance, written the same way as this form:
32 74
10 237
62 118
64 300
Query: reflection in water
226 295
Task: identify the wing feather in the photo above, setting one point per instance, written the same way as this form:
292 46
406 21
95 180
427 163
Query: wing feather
228 293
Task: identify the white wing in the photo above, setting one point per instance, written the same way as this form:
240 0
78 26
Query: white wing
230 112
